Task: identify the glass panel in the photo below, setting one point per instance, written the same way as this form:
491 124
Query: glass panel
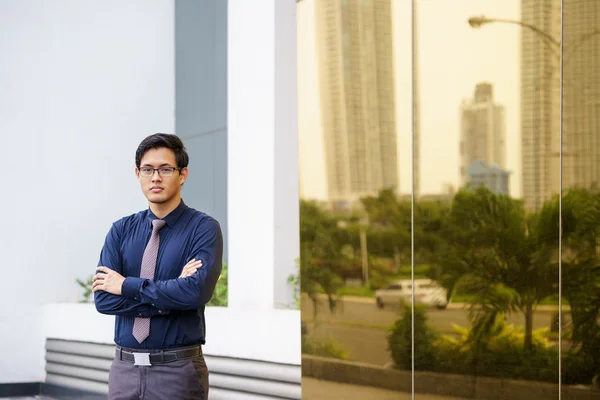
486 218
581 200
354 108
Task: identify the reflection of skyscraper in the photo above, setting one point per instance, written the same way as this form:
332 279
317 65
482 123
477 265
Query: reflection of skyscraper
540 102
416 164
581 94
354 40
483 131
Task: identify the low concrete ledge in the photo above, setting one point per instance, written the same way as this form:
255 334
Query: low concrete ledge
464 386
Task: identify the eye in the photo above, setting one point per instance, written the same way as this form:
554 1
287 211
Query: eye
166 169
146 170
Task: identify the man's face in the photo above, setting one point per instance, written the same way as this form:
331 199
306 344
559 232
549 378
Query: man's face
160 188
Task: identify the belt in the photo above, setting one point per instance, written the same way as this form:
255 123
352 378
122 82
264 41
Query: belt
161 357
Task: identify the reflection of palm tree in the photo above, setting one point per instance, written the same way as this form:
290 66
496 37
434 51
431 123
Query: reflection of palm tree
500 257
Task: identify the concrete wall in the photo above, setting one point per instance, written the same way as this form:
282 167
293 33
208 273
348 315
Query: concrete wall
201 103
82 82
455 386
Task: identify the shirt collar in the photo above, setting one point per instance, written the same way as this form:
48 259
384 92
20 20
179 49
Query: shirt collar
171 218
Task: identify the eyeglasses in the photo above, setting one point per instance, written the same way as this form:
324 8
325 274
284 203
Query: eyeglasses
148 172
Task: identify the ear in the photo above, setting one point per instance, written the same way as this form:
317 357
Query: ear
137 173
183 174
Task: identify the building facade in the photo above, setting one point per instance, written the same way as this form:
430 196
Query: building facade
80 98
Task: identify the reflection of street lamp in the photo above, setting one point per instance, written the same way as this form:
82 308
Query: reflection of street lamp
364 255
477 22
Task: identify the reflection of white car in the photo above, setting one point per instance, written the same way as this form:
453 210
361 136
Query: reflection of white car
426 292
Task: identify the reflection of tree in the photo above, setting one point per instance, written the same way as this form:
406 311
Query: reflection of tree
500 257
483 246
581 271
393 218
320 253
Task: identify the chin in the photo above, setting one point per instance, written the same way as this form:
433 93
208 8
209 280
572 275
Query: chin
157 199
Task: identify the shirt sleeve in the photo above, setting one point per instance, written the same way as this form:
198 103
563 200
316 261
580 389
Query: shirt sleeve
193 291
108 303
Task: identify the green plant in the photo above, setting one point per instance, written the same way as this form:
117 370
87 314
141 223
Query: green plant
294 282
400 339
219 298
500 353
324 348
87 288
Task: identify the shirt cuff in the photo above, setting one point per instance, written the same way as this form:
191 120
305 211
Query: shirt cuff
131 288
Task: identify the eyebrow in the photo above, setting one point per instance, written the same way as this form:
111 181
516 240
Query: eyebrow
161 165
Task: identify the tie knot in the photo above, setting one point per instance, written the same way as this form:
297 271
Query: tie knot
158 224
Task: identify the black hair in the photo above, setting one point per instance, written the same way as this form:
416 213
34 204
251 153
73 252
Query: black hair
163 141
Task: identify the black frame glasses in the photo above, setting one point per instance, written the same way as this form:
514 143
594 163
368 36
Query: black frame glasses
164 172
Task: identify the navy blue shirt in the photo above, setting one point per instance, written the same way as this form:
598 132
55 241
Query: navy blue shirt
175 304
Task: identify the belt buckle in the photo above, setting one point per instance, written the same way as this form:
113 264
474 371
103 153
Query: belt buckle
142 359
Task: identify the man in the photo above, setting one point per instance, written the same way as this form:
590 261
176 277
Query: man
158 268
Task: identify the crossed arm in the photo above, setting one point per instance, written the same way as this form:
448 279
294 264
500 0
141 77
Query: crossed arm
115 294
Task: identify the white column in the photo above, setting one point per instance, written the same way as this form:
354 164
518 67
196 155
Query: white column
262 152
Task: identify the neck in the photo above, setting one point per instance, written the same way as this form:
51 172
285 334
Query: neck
161 210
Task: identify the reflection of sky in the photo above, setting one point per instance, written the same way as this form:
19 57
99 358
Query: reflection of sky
453 57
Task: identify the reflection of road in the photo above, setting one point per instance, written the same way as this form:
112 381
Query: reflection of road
314 389
361 327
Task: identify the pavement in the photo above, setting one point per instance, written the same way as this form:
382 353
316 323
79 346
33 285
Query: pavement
315 389
29 398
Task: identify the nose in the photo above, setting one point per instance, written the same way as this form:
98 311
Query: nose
156 177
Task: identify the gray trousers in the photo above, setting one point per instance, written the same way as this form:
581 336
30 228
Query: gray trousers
178 380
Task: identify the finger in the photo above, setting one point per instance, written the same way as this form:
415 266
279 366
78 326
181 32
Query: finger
192 261
192 268
103 269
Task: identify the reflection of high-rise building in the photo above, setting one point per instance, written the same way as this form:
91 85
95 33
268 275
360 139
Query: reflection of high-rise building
581 94
416 100
492 177
540 102
483 131
356 80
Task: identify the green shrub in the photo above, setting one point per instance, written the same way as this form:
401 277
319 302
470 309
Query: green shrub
324 348
502 354
87 289
400 340
219 298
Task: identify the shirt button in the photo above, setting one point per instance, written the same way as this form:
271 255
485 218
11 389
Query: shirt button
139 314
153 305
160 311
135 298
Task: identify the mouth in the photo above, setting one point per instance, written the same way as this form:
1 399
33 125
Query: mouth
156 189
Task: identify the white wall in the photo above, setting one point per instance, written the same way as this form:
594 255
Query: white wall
82 82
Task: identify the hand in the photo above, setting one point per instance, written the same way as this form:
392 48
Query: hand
191 268
110 281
